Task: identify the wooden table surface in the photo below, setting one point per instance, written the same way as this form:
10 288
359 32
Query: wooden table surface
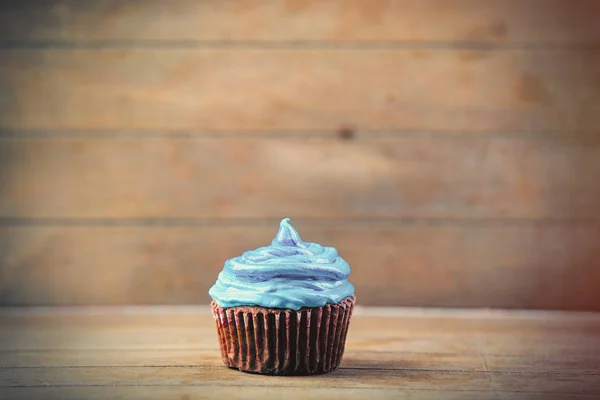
171 352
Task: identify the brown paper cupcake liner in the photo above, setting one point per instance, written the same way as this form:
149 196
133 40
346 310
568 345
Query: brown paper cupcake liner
281 341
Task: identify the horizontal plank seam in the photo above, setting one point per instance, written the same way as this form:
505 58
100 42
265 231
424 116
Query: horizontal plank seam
308 222
360 312
164 44
299 385
373 368
589 137
347 353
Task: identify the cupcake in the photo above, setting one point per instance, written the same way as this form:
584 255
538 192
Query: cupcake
284 309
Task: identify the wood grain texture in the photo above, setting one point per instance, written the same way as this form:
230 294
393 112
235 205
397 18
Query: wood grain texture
268 393
448 148
557 362
545 266
481 21
355 379
210 358
131 352
300 89
241 178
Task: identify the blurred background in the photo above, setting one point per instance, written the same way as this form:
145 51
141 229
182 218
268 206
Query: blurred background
449 149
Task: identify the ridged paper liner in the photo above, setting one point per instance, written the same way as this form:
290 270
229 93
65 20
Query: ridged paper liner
282 341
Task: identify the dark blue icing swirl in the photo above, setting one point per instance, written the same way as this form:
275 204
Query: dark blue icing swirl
290 273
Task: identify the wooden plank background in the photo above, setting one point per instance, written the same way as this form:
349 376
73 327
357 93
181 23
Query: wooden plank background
416 354
449 149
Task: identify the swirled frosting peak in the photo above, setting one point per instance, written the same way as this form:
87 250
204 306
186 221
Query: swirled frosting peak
290 273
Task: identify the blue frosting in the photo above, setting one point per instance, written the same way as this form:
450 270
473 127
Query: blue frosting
290 273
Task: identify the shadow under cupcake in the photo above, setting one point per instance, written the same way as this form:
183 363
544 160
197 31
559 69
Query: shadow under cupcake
284 309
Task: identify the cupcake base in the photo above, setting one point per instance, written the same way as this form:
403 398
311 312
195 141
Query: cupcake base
274 341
